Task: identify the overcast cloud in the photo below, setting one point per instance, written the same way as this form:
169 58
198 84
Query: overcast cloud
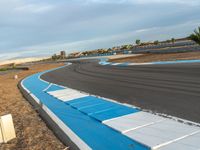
35 27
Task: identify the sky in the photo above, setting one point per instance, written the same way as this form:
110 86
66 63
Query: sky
44 27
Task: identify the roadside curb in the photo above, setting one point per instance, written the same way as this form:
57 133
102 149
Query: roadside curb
107 119
65 139
105 62
70 138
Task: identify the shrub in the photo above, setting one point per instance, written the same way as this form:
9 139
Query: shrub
196 36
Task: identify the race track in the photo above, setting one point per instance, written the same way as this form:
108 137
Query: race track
170 89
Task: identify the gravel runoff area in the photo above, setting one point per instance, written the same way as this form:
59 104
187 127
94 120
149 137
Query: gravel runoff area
158 57
32 133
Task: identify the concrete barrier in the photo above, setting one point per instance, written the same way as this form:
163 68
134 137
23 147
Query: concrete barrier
7 131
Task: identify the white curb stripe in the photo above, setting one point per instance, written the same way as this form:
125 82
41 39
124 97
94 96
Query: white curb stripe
131 64
60 91
161 133
115 64
67 94
63 93
72 97
133 121
178 139
188 143
104 63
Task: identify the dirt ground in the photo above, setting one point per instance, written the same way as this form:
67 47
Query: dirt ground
159 57
32 133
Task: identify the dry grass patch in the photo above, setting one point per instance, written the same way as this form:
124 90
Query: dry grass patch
32 133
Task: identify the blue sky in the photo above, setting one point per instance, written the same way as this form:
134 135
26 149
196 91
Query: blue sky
40 28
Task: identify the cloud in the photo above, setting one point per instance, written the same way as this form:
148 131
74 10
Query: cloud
186 2
34 8
44 27
146 34
7 56
190 2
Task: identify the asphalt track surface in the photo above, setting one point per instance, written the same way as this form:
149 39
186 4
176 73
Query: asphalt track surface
172 89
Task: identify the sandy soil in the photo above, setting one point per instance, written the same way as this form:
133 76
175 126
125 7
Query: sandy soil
159 57
32 133
22 60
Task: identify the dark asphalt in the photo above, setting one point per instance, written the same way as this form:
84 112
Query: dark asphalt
171 89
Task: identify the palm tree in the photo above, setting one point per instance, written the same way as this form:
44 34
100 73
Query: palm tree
137 42
196 36
156 42
173 40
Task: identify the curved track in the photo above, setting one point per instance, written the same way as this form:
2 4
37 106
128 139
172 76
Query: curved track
171 89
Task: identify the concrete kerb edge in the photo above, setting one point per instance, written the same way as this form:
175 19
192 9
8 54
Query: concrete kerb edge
60 133
40 108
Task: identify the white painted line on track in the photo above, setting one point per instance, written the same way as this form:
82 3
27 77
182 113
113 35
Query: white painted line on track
47 87
22 84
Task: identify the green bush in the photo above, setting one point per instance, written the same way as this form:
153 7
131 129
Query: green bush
137 42
156 42
196 36
3 69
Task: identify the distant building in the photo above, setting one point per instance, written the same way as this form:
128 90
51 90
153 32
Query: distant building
62 54
75 55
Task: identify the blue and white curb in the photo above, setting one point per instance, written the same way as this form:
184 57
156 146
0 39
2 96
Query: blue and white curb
97 123
105 62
